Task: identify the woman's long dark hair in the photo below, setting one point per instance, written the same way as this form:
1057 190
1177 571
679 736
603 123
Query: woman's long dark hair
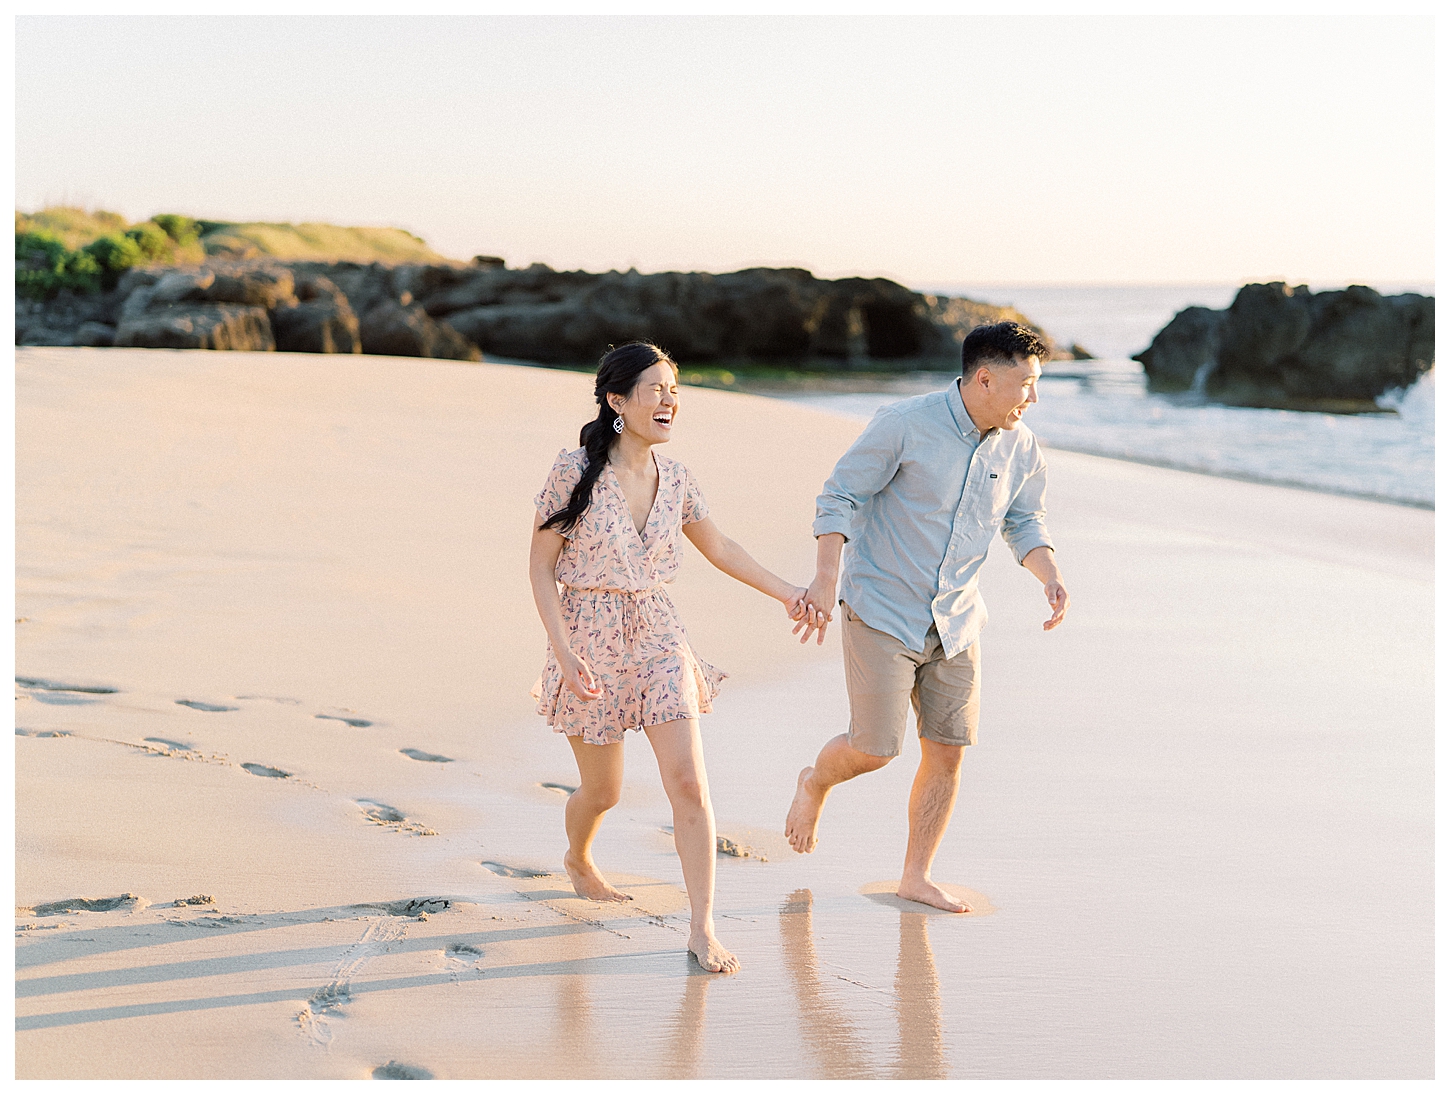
619 371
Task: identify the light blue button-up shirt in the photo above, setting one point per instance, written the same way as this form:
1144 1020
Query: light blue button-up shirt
919 496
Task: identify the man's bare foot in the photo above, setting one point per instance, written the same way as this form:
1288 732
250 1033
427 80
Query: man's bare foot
804 816
929 893
589 883
710 954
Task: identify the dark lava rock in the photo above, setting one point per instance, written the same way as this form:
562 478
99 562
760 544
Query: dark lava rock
562 317
197 326
1277 346
91 333
1185 351
408 331
320 321
765 315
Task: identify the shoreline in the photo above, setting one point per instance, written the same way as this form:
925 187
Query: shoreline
1242 477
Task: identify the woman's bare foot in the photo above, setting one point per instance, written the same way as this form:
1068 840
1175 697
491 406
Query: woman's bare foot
804 816
710 954
929 893
589 883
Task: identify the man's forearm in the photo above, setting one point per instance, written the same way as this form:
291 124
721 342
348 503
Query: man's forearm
828 555
1042 562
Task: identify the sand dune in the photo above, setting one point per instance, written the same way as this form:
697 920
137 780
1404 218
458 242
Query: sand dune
284 808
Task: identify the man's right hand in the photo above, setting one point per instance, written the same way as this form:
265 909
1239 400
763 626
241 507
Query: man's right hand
820 601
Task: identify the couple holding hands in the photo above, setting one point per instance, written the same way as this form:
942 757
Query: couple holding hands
918 496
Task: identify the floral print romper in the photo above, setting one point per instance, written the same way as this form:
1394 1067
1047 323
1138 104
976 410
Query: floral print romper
621 621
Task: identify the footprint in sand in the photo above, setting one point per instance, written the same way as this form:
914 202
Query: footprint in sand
514 872
197 705
380 812
274 699
265 770
44 685
22 732
431 758
562 788
177 745
395 1070
420 907
463 951
344 718
62 699
85 904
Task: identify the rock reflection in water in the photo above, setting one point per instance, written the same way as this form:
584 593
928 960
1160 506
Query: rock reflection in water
839 1049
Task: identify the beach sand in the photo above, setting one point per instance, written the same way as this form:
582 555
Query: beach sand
274 649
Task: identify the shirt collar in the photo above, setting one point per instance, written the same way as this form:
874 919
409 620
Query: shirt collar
965 426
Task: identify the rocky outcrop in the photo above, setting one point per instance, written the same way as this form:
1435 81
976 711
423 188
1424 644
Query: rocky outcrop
203 309
401 330
759 315
319 321
1277 346
198 327
779 316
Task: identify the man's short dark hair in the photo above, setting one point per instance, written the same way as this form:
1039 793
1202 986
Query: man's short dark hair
1000 342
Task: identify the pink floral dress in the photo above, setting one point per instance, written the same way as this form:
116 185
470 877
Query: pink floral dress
621 621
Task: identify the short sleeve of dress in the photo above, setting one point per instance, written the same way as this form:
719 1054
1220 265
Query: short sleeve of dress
694 508
563 477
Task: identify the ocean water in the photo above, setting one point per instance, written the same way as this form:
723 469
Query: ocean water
1103 407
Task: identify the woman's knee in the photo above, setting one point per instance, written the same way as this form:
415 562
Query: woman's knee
686 789
598 797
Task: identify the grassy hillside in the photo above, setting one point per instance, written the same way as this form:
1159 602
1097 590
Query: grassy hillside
67 248
73 227
320 242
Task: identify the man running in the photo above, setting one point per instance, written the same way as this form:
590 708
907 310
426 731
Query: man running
919 496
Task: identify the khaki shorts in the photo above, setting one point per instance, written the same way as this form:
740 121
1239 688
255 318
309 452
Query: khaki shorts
882 673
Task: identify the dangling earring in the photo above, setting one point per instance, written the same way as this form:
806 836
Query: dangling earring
618 424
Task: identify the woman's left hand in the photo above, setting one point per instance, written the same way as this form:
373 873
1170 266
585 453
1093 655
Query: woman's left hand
795 604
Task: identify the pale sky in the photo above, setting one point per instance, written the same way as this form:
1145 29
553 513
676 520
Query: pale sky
934 150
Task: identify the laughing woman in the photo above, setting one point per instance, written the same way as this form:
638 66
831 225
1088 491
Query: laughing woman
608 531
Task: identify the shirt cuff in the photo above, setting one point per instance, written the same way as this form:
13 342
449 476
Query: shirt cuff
827 523
1024 545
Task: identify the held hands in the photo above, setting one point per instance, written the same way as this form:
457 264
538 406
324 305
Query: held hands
798 607
813 615
578 678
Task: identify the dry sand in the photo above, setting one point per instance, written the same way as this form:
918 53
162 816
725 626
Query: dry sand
1200 815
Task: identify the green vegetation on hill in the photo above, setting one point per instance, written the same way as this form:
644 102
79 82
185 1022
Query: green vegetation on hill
67 248
84 252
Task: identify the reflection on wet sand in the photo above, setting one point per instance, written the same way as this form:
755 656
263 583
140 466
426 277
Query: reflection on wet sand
919 1054
839 1049
835 1044
687 1042
574 1036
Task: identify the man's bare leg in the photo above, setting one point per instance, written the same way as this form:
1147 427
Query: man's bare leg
837 763
601 776
933 794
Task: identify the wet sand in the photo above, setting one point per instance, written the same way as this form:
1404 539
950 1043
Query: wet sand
1200 812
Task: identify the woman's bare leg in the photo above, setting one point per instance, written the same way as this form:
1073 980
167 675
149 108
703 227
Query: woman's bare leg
601 775
682 769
